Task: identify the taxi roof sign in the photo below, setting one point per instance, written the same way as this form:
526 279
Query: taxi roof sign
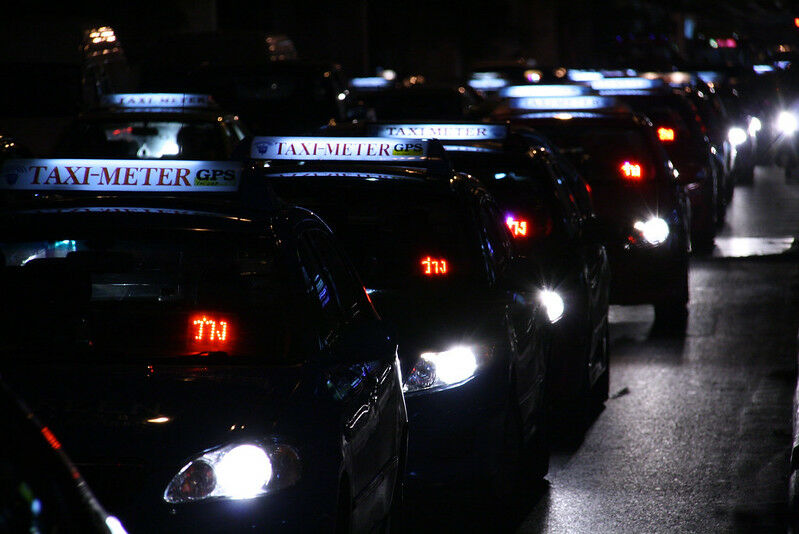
112 176
339 149
157 100
370 82
626 83
447 132
551 90
584 102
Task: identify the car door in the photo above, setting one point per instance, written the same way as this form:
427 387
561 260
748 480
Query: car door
590 251
374 412
530 365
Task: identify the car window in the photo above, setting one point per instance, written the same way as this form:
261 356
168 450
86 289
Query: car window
144 139
145 289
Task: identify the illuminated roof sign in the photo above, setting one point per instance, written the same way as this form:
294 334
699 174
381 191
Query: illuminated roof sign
92 175
157 100
448 132
338 149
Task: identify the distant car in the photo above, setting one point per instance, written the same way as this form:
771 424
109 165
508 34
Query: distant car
274 92
539 195
684 135
437 259
425 101
40 488
208 356
639 201
153 126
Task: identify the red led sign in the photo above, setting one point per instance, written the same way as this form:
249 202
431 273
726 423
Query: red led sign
209 332
518 227
666 134
631 170
434 266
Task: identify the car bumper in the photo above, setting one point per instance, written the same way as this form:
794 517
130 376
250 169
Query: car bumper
451 432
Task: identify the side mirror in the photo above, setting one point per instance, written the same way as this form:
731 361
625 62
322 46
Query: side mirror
365 341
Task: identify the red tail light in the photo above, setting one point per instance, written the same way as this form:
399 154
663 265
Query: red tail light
434 266
518 227
631 170
666 134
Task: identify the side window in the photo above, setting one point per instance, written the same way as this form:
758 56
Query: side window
348 290
235 127
497 238
329 280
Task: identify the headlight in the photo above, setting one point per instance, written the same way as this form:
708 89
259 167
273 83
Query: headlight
553 304
754 125
441 370
737 136
235 471
786 122
654 231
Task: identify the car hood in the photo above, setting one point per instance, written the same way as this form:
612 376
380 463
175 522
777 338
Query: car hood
437 320
619 205
155 415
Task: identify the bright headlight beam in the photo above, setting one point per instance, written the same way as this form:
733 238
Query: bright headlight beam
454 365
244 471
787 122
737 136
553 304
754 125
654 231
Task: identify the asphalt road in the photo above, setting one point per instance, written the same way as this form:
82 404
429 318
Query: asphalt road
696 434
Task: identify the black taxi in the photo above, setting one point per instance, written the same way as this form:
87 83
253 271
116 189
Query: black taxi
153 126
208 356
640 202
437 259
547 208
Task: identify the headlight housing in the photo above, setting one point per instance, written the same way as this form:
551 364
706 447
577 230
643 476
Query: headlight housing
242 470
787 122
445 369
654 231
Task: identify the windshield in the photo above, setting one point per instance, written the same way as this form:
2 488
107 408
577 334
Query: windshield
136 138
79 288
397 236
605 153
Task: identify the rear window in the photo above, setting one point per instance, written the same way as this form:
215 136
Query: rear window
134 138
605 153
82 289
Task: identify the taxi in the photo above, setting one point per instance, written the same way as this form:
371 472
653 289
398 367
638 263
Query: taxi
640 202
684 135
153 126
437 258
207 355
539 195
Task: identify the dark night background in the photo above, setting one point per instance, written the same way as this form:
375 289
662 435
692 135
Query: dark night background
439 39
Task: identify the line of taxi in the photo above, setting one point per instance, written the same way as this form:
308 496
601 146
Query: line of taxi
435 311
